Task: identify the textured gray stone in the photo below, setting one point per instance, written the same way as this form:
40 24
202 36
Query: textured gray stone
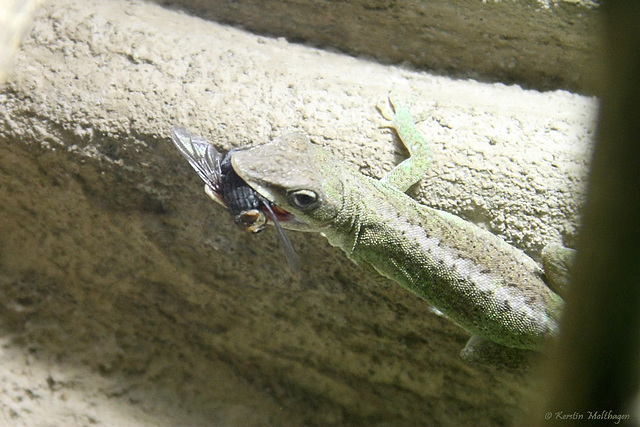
128 297
543 44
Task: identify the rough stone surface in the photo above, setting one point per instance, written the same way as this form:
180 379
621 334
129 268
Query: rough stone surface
129 298
542 44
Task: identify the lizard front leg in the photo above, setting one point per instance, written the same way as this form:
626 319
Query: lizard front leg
411 170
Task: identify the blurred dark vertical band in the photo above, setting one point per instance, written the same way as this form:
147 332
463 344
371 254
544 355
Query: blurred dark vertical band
597 366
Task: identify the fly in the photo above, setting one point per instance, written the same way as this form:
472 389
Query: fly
249 210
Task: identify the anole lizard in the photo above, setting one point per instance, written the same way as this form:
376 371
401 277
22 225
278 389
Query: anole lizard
491 289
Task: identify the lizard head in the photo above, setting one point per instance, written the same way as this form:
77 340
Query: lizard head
297 176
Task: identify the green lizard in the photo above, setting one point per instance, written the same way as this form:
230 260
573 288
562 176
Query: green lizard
491 289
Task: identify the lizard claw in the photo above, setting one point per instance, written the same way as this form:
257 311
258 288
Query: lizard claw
386 111
390 108
395 108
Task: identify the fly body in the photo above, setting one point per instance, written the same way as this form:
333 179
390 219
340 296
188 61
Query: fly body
244 204
249 210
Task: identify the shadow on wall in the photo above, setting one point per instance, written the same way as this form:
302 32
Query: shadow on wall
537 46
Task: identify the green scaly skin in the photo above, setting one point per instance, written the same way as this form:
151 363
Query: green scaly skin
475 278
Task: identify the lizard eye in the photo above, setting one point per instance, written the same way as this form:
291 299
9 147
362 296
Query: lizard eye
303 199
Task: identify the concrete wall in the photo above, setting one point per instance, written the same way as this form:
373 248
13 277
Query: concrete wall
129 298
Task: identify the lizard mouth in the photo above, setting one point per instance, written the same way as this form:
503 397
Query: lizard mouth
276 214
256 217
283 215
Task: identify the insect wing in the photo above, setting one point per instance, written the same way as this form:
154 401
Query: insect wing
200 154
289 251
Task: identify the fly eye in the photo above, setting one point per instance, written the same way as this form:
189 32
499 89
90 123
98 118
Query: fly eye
303 199
251 220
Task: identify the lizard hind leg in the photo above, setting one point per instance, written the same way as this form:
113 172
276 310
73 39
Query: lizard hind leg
557 262
411 170
480 351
